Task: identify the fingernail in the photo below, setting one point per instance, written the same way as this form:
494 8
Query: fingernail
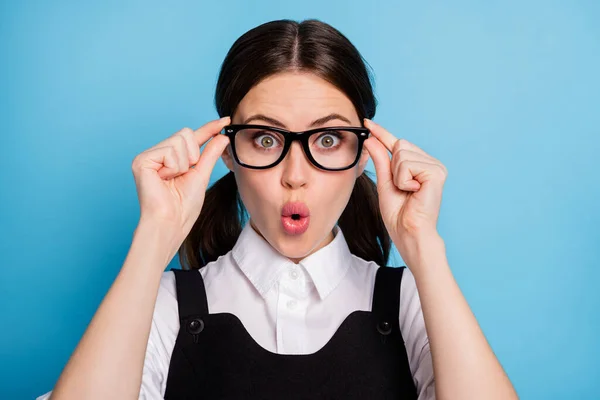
224 119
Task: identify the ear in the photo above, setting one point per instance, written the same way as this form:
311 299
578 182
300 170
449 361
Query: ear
227 157
362 162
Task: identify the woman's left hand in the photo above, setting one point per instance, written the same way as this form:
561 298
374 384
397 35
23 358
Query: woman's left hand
409 185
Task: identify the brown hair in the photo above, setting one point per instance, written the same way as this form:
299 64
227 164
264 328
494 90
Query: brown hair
270 48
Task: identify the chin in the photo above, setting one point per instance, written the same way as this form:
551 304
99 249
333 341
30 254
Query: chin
293 252
293 246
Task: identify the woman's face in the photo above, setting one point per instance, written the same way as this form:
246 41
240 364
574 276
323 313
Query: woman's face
295 99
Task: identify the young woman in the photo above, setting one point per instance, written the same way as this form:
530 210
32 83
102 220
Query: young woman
284 291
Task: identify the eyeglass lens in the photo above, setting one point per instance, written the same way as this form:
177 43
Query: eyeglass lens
331 149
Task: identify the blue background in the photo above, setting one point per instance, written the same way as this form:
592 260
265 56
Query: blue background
505 94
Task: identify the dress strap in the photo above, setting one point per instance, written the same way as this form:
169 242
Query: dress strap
386 298
191 294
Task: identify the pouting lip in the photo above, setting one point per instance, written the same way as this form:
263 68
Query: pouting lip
295 207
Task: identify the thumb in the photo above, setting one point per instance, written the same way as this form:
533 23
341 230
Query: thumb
382 162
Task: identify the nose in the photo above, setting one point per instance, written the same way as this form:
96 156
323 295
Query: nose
296 167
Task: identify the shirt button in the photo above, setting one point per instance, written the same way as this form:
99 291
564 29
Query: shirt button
293 274
291 304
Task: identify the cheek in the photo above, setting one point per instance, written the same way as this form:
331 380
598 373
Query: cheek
256 189
336 191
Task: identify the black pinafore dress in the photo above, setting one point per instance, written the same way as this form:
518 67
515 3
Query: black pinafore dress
216 358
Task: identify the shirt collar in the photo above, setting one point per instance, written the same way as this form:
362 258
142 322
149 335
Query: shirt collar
262 264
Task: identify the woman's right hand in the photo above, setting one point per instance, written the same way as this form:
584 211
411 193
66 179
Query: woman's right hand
172 177
109 358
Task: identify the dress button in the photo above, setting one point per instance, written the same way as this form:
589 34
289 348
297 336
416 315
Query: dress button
291 304
384 327
195 326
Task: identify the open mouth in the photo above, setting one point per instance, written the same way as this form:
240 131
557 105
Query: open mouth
295 217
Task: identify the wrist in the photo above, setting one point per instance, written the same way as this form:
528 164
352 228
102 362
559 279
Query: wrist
160 227
156 240
422 251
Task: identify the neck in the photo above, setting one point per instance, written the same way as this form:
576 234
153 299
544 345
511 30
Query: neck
328 239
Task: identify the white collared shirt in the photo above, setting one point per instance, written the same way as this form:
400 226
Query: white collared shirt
287 308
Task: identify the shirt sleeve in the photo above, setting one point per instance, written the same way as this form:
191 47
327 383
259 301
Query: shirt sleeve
161 341
163 333
412 326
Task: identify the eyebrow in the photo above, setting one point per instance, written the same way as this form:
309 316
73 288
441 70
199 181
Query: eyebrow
316 122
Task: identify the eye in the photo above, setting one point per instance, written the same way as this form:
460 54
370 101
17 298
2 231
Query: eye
329 140
264 140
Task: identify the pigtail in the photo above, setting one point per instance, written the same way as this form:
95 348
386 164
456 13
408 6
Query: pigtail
217 228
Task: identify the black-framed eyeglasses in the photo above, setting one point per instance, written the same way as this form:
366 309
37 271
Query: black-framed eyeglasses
332 148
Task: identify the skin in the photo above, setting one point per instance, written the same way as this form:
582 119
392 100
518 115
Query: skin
409 183
109 359
295 99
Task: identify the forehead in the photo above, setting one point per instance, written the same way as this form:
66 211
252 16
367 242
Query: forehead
296 99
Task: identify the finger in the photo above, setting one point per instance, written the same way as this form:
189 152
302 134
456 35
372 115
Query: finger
210 129
200 135
169 141
182 154
211 153
391 142
380 133
410 174
403 175
381 160
403 144
193 150
178 148
405 154
164 160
